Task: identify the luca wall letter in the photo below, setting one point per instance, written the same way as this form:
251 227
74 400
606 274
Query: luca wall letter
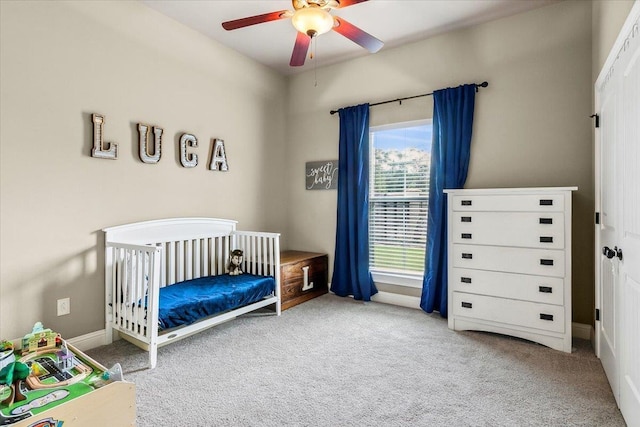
218 157
188 160
148 154
111 150
143 138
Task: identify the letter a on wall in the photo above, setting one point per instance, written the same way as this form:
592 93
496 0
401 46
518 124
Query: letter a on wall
99 150
218 157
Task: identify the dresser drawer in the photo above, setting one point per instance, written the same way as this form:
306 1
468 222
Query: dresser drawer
524 229
521 313
303 276
541 262
510 202
543 289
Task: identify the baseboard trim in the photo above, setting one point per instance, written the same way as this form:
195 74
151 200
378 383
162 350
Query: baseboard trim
581 330
396 299
88 341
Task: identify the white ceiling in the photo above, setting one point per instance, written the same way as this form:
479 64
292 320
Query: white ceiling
395 22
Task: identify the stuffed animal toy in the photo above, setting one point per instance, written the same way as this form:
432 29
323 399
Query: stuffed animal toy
234 262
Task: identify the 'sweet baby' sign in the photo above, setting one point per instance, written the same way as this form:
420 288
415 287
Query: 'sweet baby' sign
322 175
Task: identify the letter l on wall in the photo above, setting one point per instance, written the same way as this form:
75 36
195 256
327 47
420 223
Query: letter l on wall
111 152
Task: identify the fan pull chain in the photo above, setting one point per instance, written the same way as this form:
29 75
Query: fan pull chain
315 61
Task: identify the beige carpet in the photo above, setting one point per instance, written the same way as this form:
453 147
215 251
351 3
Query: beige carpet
336 362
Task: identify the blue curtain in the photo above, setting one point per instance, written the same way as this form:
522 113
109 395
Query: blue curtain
450 152
351 275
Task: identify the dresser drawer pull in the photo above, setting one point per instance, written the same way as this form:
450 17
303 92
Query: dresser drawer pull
545 289
546 316
546 262
465 219
467 256
546 239
466 235
546 202
465 202
546 220
467 304
465 279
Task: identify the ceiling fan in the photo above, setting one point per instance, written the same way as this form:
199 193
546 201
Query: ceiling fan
312 18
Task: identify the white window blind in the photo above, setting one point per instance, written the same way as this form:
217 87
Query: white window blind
399 196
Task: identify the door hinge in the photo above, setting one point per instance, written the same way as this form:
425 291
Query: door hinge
597 314
597 218
597 119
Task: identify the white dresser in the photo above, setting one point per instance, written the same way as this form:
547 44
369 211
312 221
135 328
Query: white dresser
509 262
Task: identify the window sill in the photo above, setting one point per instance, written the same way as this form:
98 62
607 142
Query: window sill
398 279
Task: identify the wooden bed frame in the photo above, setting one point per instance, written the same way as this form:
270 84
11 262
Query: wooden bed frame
142 257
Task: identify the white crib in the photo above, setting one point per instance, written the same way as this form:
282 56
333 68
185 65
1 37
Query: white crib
142 257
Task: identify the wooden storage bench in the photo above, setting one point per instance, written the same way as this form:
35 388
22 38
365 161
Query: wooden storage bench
303 276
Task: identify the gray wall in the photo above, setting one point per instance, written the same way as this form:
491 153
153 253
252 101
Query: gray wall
532 125
62 61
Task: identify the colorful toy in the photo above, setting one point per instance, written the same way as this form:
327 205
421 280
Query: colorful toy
39 339
48 379
65 358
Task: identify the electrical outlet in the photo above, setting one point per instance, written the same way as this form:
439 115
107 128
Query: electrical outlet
64 306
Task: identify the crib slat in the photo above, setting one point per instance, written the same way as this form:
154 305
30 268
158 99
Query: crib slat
265 255
180 262
205 257
171 261
188 260
254 253
223 246
118 286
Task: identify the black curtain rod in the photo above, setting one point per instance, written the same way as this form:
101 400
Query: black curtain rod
483 84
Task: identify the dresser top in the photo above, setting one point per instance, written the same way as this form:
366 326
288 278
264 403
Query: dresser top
536 190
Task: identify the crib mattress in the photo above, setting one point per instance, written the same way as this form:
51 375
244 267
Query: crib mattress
186 302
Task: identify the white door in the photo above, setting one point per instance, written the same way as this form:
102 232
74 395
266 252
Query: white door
618 237
607 327
629 238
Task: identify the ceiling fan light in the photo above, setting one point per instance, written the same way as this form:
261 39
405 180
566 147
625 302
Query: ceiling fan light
312 21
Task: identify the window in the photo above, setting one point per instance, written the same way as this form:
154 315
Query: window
399 196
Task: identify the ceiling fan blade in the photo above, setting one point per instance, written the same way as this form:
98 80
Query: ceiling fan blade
345 3
300 49
357 35
253 20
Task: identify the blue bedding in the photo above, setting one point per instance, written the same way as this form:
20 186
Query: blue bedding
186 302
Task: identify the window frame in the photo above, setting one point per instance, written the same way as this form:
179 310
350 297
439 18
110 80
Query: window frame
404 278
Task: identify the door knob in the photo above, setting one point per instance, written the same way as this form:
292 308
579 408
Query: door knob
618 253
608 252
